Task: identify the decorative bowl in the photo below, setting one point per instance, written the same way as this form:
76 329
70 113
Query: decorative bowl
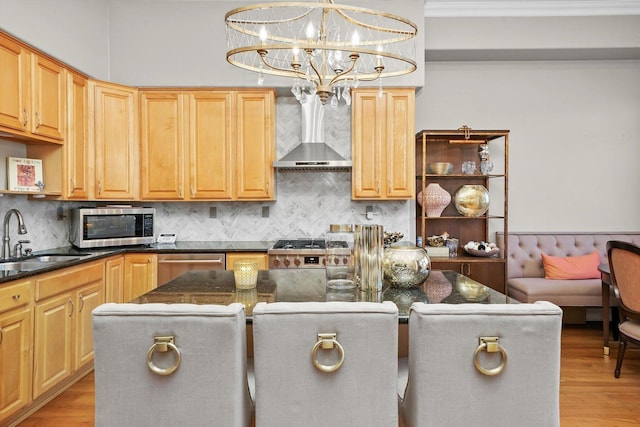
440 168
472 200
481 249
435 240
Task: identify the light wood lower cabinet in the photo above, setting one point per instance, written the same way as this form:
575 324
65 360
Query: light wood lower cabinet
63 340
261 257
140 275
16 343
114 279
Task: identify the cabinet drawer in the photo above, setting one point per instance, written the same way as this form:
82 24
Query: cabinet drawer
13 296
69 278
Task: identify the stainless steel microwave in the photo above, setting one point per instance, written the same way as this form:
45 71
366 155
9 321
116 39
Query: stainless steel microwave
111 226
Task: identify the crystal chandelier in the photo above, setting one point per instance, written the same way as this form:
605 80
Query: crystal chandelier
326 48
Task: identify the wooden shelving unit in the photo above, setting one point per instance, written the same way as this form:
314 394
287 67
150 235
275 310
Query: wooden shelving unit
457 146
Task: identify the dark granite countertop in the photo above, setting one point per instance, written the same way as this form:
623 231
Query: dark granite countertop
218 287
86 255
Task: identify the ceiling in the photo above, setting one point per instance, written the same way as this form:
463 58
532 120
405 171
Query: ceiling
478 8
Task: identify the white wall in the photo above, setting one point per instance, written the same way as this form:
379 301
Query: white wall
74 31
575 135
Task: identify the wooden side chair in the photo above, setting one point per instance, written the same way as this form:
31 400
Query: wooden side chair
323 364
483 364
624 263
171 364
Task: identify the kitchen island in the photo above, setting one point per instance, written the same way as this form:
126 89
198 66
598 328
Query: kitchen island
218 287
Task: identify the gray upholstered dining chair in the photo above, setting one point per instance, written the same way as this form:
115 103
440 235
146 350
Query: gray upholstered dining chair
624 264
325 364
483 364
171 364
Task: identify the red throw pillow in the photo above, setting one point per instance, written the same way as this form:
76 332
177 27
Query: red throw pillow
571 267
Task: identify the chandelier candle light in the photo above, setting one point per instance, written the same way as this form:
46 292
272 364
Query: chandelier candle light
326 48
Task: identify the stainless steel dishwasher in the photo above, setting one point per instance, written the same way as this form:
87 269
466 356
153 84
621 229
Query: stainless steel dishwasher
173 265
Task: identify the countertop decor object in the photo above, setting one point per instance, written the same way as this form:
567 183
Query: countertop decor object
245 273
472 200
405 265
435 199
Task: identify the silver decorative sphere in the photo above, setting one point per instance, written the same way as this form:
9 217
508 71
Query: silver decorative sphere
405 265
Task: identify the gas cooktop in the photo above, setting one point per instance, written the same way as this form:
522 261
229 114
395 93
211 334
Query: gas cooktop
300 244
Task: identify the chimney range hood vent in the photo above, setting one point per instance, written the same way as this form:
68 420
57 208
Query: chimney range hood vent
313 153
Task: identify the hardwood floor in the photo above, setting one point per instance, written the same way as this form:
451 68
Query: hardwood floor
589 393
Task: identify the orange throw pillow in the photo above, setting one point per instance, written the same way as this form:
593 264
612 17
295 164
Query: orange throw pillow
571 267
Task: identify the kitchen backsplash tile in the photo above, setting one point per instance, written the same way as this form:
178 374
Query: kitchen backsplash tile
306 202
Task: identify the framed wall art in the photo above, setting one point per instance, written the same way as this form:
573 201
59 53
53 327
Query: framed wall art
24 174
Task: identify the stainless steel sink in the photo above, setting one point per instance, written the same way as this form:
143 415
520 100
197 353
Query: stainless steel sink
23 265
53 258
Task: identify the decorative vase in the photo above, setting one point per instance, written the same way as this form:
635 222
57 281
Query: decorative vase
435 199
405 265
472 200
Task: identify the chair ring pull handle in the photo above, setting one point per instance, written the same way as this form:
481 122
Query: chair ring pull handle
327 342
163 344
490 345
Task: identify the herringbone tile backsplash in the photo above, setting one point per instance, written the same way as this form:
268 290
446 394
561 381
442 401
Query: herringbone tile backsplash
306 202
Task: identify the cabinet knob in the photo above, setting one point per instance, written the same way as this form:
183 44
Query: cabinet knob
16 297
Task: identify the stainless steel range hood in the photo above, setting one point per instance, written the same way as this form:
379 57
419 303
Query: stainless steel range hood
313 153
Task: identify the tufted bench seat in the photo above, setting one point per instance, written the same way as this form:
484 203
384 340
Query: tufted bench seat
526 282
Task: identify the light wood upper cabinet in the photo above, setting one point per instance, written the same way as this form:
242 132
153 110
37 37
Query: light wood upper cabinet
15 83
33 91
48 98
189 151
113 132
255 145
383 144
211 153
76 144
162 141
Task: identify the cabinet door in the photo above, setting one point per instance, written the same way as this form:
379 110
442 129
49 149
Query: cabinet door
489 273
255 144
114 279
48 98
140 275
368 127
210 145
76 142
87 298
115 140
162 140
16 339
261 257
14 85
53 342
399 144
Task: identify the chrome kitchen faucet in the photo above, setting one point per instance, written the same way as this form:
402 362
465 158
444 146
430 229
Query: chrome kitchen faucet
22 229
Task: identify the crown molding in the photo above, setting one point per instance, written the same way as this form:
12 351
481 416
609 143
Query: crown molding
499 8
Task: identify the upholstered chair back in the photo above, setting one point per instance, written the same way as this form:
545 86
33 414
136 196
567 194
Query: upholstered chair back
297 378
134 358
483 364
